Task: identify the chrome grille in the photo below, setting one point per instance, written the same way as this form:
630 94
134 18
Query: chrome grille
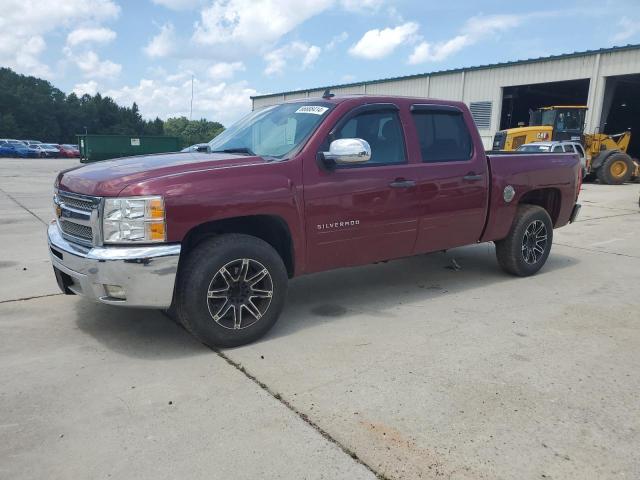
79 217
76 202
76 230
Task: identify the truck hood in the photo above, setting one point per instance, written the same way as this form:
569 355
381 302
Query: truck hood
108 178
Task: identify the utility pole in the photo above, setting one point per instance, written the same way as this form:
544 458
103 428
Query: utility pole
191 108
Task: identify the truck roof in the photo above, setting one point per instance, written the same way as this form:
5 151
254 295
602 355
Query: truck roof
367 98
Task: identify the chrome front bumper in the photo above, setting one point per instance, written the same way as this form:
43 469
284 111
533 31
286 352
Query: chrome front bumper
146 273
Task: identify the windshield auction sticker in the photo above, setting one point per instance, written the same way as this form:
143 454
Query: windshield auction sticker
314 109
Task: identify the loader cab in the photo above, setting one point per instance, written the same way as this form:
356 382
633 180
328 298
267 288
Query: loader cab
567 121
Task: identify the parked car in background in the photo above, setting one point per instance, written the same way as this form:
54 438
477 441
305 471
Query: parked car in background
69 151
31 142
38 148
7 149
12 141
198 147
23 151
557 147
50 150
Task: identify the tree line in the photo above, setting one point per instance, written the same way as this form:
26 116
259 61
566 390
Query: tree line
31 108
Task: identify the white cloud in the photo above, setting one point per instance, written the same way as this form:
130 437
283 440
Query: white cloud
229 29
93 67
627 28
179 77
252 23
311 55
394 14
163 44
362 6
89 88
25 24
222 102
90 35
336 40
277 59
376 43
224 70
25 57
475 29
179 4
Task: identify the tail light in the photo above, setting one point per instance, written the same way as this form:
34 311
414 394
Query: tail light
579 183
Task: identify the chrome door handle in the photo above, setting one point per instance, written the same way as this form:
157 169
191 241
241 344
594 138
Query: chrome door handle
402 183
472 177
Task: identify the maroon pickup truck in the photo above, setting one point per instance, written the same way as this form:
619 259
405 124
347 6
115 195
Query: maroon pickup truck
300 187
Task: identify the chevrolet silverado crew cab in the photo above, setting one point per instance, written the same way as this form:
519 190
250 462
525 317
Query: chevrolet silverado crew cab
295 188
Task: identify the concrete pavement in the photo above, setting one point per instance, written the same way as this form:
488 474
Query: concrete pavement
416 369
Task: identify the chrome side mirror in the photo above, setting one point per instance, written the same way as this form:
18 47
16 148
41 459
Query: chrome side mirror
348 151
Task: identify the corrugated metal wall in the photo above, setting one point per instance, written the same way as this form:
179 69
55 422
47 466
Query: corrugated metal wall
481 85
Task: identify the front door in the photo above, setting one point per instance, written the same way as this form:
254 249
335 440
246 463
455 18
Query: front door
366 212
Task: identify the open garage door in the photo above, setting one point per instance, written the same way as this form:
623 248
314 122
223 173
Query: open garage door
621 109
518 100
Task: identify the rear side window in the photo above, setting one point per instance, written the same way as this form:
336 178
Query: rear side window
569 148
580 150
443 136
557 148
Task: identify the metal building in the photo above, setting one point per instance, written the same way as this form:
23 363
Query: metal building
500 95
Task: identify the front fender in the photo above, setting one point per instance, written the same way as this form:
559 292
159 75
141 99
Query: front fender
194 198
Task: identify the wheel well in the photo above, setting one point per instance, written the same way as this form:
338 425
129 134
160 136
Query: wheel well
270 228
547 198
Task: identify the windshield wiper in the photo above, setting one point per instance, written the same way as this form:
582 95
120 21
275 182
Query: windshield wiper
235 150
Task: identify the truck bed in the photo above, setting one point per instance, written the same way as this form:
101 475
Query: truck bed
529 174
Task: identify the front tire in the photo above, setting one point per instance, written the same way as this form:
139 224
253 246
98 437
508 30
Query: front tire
230 290
526 249
616 169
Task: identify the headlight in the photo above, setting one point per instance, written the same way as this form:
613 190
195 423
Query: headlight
133 219
56 202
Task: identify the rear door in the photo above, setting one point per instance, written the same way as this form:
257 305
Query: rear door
452 180
362 213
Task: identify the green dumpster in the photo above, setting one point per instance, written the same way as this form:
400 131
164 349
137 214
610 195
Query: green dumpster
94 148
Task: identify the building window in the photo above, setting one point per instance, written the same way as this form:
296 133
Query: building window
481 113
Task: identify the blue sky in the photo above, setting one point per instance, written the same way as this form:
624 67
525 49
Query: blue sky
147 50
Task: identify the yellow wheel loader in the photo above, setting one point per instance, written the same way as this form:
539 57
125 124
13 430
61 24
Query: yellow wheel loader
607 157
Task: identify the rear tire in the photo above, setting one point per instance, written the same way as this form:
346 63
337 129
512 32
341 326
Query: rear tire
218 298
616 169
526 248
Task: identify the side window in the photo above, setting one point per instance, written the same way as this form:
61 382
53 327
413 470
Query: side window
443 136
569 148
580 150
557 148
383 131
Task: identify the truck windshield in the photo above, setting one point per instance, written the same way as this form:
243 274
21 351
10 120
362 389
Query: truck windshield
542 117
273 131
